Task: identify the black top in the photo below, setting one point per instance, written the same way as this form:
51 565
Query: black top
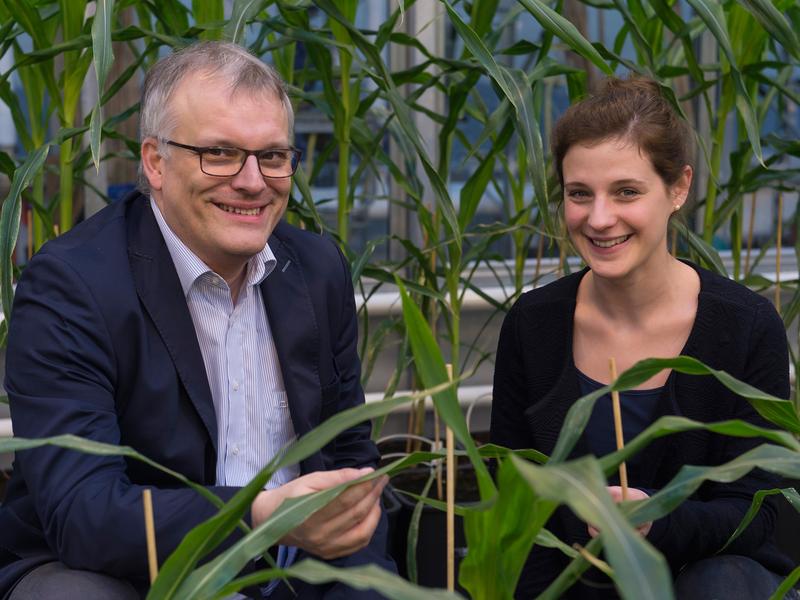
535 384
637 408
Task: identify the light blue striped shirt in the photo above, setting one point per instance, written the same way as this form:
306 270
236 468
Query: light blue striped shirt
253 420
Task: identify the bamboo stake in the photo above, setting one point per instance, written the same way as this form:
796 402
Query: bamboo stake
778 245
623 471
451 501
750 234
437 443
150 531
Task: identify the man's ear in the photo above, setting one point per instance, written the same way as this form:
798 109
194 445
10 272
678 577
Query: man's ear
152 163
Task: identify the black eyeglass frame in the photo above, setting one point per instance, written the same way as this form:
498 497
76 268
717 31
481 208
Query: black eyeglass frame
200 150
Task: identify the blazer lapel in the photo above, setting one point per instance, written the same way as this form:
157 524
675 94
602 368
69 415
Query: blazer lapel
296 335
161 294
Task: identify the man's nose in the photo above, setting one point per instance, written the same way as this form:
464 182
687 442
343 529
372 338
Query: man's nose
249 179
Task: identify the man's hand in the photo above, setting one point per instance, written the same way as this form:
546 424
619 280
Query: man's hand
633 494
343 526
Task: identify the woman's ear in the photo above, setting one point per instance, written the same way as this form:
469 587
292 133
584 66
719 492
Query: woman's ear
152 163
680 189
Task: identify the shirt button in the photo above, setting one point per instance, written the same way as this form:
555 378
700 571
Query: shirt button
235 386
235 450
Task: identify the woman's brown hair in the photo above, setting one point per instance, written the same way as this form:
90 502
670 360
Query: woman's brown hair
632 109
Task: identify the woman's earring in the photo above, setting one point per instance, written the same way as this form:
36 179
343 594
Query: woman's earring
676 207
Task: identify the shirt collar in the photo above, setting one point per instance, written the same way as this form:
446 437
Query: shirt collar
190 267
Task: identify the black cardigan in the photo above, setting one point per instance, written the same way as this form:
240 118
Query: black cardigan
536 382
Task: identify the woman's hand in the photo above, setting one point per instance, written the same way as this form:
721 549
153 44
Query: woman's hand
633 494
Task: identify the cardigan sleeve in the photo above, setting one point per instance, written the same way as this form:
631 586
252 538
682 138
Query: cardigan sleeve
508 425
700 526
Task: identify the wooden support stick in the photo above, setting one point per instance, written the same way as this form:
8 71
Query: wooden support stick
750 234
451 502
623 471
150 531
437 443
778 246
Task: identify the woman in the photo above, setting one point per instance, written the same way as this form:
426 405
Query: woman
623 159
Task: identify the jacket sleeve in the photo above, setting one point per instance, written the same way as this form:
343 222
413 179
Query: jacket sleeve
61 379
700 526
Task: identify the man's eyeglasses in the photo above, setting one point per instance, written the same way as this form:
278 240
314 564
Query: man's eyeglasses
222 161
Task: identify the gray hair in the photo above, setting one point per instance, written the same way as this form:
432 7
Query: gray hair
220 60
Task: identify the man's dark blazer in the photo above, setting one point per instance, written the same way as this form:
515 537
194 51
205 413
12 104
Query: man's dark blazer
101 344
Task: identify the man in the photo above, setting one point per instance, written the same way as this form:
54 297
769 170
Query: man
197 328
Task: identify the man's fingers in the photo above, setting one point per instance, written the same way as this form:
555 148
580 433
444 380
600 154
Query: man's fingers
355 538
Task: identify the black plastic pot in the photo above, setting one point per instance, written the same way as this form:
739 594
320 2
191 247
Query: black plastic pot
431 551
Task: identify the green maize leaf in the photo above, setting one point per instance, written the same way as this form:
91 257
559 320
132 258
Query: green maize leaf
501 537
473 190
73 442
755 506
548 540
637 36
709 256
205 581
383 78
206 13
792 497
775 459
9 221
413 531
787 585
775 24
713 15
557 25
512 83
639 570
362 578
671 424
103 59
206 536
242 12
776 410
431 368
571 573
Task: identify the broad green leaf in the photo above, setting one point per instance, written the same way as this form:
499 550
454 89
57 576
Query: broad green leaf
362 578
774 459
787 585
206 12
776 410
755 506
242 12
639 570
513 85
431 368
206 536
9 222
566 32
103 59
710 257
713 15
500 538
775 24
72 442
413 531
